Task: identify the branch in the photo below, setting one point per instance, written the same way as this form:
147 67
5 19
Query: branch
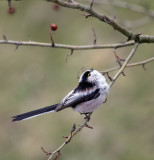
110 21
129 65
149 14
136 39
84 124
94 13
63 46
124 64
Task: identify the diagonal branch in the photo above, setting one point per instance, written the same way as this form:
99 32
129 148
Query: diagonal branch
95 14
70 137
144 9
84 124
124 64
110 21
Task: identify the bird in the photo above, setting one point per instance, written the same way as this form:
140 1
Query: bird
90 93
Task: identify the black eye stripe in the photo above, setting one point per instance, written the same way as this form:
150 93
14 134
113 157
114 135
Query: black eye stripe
85 75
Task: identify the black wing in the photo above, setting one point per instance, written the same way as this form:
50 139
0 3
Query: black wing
75 98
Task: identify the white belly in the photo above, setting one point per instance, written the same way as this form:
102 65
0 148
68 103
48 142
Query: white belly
91 105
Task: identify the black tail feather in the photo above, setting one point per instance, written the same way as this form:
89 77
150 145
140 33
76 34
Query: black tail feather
34 113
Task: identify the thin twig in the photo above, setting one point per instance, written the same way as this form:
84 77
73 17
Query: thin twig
130 65
91 4
70 54
95 38
85 15
109 77
119 60
52 41
124 64
47 153
4 37
70 137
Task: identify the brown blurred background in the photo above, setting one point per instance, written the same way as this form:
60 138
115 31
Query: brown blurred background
35 77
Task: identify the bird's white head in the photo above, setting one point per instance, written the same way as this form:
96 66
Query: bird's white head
92 76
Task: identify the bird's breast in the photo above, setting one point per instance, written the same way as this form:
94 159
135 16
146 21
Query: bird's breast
91 105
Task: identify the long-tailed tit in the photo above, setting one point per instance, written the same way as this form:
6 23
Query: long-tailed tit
90 94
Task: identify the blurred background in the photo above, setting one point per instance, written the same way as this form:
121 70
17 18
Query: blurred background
35 77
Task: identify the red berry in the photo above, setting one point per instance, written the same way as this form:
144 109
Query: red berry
11 10
53 27
56 7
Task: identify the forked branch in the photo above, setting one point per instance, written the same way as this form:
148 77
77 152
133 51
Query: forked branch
104 18
141 63
84 124
124 64
133 38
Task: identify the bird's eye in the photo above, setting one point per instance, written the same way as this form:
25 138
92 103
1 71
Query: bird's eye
89 74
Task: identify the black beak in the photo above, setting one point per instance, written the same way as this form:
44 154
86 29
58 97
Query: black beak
91 69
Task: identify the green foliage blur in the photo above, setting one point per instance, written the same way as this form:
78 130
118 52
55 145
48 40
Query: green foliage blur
35 77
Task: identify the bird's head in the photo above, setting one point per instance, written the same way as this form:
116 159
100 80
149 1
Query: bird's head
92 76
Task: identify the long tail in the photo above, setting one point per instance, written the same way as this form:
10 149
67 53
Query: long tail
34 113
